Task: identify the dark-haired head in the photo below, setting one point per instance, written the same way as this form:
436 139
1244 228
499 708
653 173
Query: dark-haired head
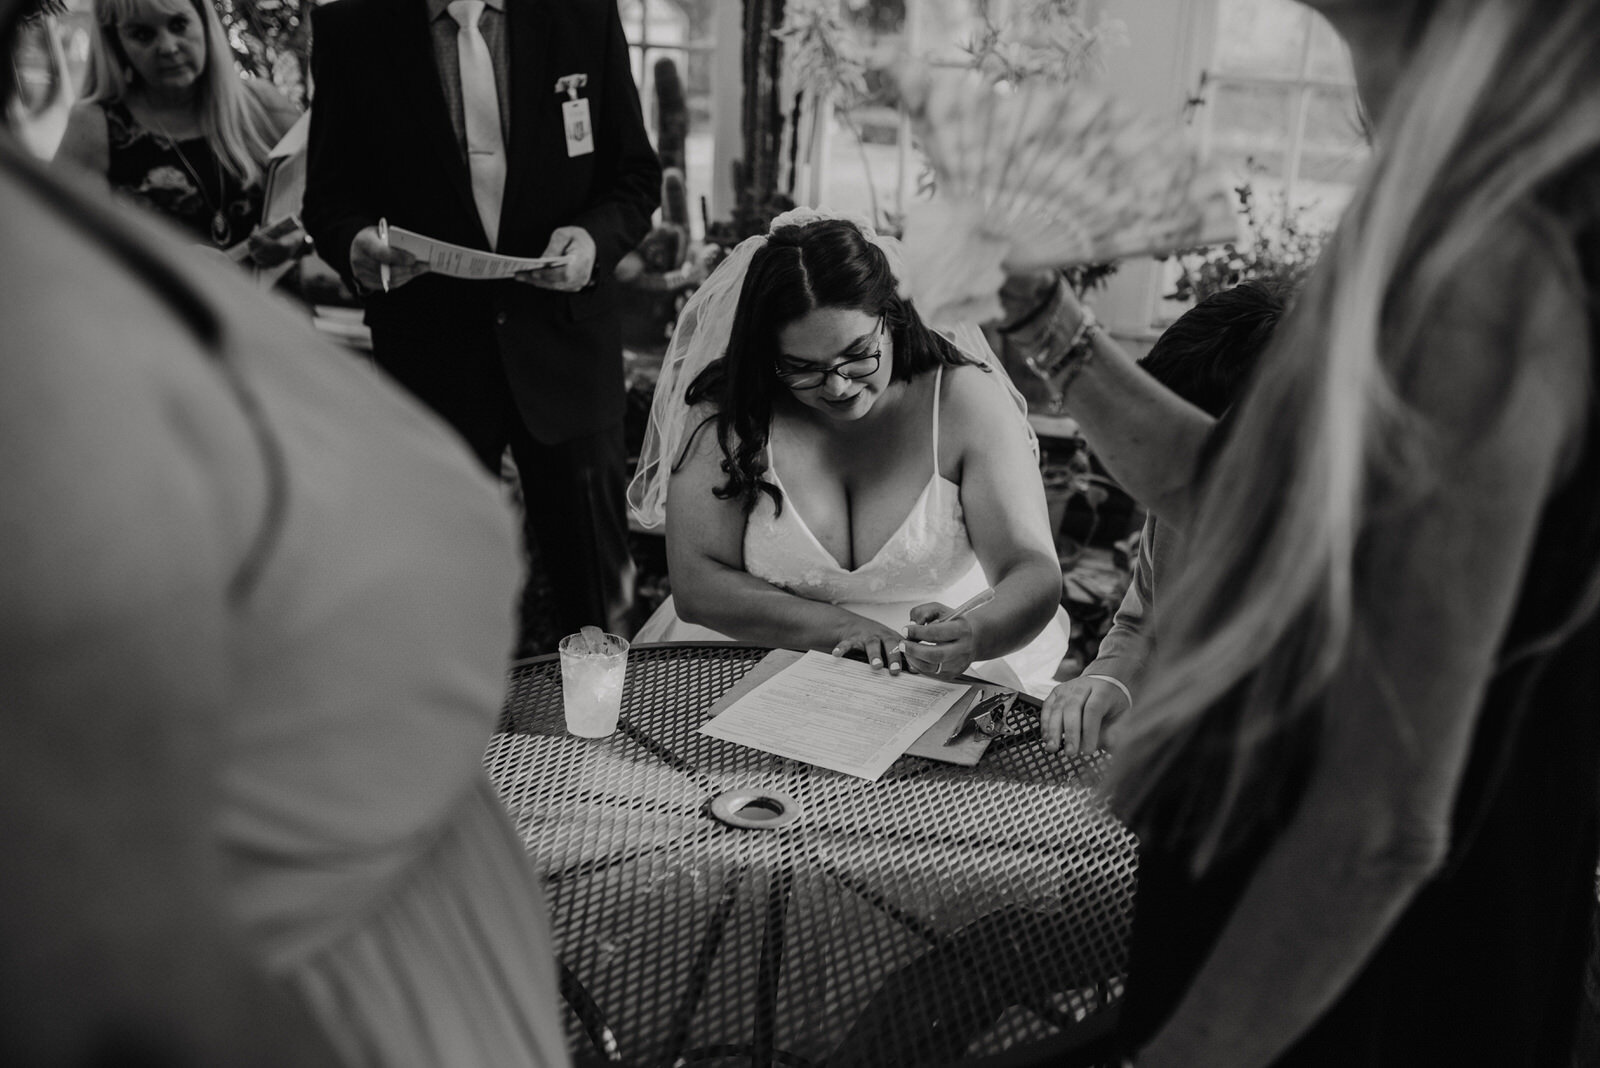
1208 354
828 263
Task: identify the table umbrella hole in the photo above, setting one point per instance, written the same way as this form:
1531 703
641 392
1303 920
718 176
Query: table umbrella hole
755 809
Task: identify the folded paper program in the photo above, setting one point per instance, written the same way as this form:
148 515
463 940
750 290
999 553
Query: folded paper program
458 261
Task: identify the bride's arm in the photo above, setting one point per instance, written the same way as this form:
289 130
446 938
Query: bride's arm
1002 501
705 556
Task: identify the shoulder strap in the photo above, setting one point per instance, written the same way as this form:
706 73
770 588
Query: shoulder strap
938 381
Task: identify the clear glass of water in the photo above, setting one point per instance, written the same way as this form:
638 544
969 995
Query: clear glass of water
591 683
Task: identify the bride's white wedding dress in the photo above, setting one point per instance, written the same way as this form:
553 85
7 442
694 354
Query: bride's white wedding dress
929 558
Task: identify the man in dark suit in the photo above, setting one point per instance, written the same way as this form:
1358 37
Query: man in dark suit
512 126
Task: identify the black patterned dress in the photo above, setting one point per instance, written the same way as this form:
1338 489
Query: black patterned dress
182 180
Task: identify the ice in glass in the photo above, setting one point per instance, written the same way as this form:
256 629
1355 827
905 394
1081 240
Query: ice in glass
592 667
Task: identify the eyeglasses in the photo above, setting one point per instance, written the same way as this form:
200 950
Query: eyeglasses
849 370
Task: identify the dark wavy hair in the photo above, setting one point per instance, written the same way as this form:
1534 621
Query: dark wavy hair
1208 354
827 263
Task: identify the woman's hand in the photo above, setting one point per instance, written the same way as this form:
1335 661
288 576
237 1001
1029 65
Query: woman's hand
267 249
937 647
880 644
1076 711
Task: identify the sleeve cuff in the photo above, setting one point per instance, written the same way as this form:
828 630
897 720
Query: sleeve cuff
1118 683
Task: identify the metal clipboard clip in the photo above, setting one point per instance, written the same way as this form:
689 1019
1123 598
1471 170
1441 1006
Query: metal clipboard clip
986 715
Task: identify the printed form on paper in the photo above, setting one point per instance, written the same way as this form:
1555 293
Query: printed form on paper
836 713
458 261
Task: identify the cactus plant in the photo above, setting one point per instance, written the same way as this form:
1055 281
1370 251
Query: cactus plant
672 116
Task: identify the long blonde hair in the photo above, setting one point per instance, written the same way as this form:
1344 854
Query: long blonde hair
233 120
1501 97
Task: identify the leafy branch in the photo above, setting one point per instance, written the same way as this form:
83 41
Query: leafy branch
1038 40
1281 246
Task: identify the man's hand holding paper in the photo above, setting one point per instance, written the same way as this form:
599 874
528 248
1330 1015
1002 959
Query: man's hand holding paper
370 254
571 254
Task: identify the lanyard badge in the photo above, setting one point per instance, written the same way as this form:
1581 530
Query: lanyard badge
575 115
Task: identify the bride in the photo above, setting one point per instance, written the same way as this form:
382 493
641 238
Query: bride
834 475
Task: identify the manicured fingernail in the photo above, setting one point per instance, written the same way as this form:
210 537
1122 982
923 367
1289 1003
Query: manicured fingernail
894 669
876 662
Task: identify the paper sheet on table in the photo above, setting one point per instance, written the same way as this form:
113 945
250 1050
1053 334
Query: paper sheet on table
933 744
837 714
458 261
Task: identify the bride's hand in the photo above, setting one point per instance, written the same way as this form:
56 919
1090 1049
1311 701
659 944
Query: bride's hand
879 644
935 647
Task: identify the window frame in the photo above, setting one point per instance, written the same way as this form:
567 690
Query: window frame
1172 66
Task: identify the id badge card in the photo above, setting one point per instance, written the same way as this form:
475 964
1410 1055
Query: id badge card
580 131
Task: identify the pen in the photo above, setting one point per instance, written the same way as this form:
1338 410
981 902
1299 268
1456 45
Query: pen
383 268
973 603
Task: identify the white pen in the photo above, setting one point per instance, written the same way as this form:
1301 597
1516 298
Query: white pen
383 268
976 601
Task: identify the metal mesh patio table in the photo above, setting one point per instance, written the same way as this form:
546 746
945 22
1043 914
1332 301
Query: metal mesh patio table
941 912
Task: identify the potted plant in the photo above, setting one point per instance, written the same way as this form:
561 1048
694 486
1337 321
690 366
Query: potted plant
1281 245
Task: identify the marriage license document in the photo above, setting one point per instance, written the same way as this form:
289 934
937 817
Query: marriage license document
836 713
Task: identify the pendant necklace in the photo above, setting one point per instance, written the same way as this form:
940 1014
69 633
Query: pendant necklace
221 229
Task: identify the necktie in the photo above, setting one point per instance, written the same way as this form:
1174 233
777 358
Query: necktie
480 106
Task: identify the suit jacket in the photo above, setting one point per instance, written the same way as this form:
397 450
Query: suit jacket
382 144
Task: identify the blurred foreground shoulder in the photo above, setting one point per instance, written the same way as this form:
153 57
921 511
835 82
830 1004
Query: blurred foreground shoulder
1508 329
86 143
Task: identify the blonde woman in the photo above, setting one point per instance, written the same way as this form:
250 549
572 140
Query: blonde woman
1363 771
170 124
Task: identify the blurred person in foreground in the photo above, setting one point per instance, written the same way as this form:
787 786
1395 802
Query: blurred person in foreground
169 124
1205 357
834 475
254 618
1363 771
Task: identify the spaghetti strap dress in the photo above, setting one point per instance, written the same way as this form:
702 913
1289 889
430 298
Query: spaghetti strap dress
929 557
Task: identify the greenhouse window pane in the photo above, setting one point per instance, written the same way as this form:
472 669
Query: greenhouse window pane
1333 119
1261 37
1329 59
1244 115
632 14
1331 166
1254 165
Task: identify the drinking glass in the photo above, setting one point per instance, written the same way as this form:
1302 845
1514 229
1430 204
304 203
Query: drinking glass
591 683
